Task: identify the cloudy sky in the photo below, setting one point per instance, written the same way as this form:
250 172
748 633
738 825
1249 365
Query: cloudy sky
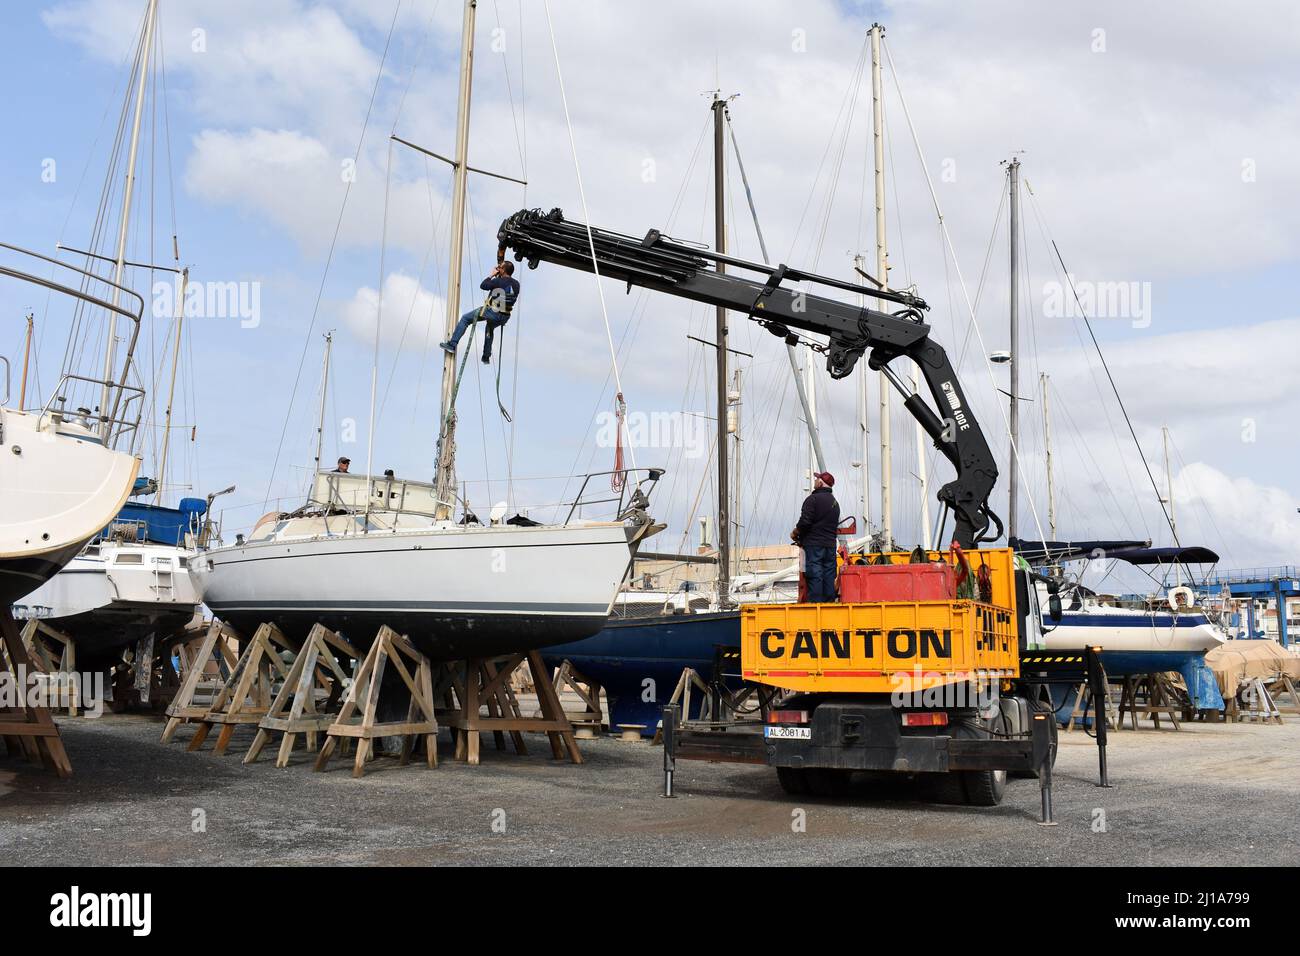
1157 143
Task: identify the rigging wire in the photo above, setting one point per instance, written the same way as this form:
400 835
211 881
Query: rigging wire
1044 232
329 257
1127 420
1015 456
586 216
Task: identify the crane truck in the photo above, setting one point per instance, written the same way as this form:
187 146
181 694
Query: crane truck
931 662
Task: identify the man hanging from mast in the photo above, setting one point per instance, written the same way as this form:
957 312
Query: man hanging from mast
502 290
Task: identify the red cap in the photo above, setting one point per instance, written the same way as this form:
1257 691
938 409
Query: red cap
827 478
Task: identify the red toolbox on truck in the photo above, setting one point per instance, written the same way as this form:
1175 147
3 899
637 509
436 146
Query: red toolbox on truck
870 583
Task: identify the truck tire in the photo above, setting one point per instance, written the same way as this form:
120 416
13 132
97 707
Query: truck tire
793 780
984 788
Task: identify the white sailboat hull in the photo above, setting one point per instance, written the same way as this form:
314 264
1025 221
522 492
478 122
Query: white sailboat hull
58 488
1138 631
113 595
456 591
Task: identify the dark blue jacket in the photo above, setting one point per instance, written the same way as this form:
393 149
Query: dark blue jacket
502 293
818 520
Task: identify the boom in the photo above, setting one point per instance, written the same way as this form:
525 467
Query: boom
771 299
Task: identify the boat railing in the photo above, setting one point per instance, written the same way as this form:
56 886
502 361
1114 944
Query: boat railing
118 424
344 491
624 492
127 531
113 414
349 493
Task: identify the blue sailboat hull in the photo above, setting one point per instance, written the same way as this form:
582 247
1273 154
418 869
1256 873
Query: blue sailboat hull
638 661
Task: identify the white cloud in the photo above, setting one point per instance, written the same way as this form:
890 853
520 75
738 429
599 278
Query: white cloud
1256 522
412 314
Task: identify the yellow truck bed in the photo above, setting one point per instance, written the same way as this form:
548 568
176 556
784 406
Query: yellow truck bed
886 647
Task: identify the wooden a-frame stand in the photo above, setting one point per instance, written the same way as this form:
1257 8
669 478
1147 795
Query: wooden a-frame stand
389 648
590 721
212 647
27 730
37 638
485 682
246 696
293 713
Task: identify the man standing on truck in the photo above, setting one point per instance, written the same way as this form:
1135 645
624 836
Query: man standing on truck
816 534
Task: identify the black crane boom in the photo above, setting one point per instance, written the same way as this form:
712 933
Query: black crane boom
771 298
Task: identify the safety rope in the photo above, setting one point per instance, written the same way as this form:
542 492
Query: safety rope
502 351
618 479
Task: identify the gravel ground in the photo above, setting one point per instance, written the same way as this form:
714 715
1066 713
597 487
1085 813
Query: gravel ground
1209 795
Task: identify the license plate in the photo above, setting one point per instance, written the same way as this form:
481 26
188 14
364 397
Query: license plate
788 733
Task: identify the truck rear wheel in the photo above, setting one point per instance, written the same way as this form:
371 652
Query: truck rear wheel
984 788
793 780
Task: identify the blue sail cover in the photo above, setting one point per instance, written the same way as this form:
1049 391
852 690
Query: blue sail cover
1038 552
160 525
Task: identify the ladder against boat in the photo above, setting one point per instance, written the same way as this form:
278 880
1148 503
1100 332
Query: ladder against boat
26 730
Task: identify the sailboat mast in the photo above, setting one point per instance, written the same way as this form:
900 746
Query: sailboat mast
110 347
882 273
1047 449
720 237
171 386
324 390
445 475
1013 179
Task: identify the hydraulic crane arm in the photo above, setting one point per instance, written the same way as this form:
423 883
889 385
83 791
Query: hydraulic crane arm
772 299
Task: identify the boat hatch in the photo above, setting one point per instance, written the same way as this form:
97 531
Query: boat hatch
129 558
